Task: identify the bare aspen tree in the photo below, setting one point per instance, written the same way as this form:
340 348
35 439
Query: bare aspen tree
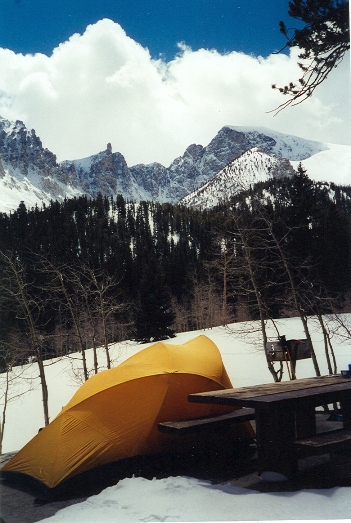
331 359
100 296
341 326
5 400
278 243
222 264
90 297
62 282
14 284
248 244
12 382
317 301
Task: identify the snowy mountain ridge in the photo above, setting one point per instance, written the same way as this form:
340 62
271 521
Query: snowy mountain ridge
286 145
30 173
251 167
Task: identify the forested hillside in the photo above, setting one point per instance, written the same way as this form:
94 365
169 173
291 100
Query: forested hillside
85 273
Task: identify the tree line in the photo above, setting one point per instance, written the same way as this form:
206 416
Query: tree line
89 272
86 273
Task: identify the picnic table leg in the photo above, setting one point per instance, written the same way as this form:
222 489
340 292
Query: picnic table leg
305 422
345 404
275 432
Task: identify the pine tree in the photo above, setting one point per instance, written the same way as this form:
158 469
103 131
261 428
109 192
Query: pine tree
154 315
323 40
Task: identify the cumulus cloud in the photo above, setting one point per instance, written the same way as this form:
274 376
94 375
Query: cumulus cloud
102 87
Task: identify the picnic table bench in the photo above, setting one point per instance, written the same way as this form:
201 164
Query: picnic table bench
324 442
207 423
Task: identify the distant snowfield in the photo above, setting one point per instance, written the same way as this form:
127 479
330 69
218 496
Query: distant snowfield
333 164
182 499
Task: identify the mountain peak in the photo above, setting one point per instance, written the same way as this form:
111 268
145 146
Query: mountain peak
252 166
291 147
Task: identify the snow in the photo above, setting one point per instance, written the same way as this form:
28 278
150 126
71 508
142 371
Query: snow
187 499
325 162
181 498
333 164
287 145
17 188
82 163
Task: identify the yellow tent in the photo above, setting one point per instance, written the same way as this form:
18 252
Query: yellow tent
114 415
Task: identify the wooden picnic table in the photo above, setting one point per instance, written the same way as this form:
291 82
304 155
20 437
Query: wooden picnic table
285 413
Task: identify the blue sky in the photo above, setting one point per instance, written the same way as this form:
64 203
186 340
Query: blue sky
250 26
153 77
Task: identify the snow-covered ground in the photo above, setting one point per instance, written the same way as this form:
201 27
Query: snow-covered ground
181 498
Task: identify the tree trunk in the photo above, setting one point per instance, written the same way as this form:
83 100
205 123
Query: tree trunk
295 296
76 324
277 376
3 418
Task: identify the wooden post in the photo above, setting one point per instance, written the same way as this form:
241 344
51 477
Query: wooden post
305 422
345 404
275 430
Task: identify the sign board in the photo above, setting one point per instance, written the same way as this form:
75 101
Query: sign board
289 350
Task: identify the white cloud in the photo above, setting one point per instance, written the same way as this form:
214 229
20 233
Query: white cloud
103 87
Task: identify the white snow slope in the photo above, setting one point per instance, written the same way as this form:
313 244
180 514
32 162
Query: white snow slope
325 162
333 164
15 188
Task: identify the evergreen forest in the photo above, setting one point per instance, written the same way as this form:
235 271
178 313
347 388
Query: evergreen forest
85 273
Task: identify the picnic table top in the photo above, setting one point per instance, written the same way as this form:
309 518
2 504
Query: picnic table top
314 390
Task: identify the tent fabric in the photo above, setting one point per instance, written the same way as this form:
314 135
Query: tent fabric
114 414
